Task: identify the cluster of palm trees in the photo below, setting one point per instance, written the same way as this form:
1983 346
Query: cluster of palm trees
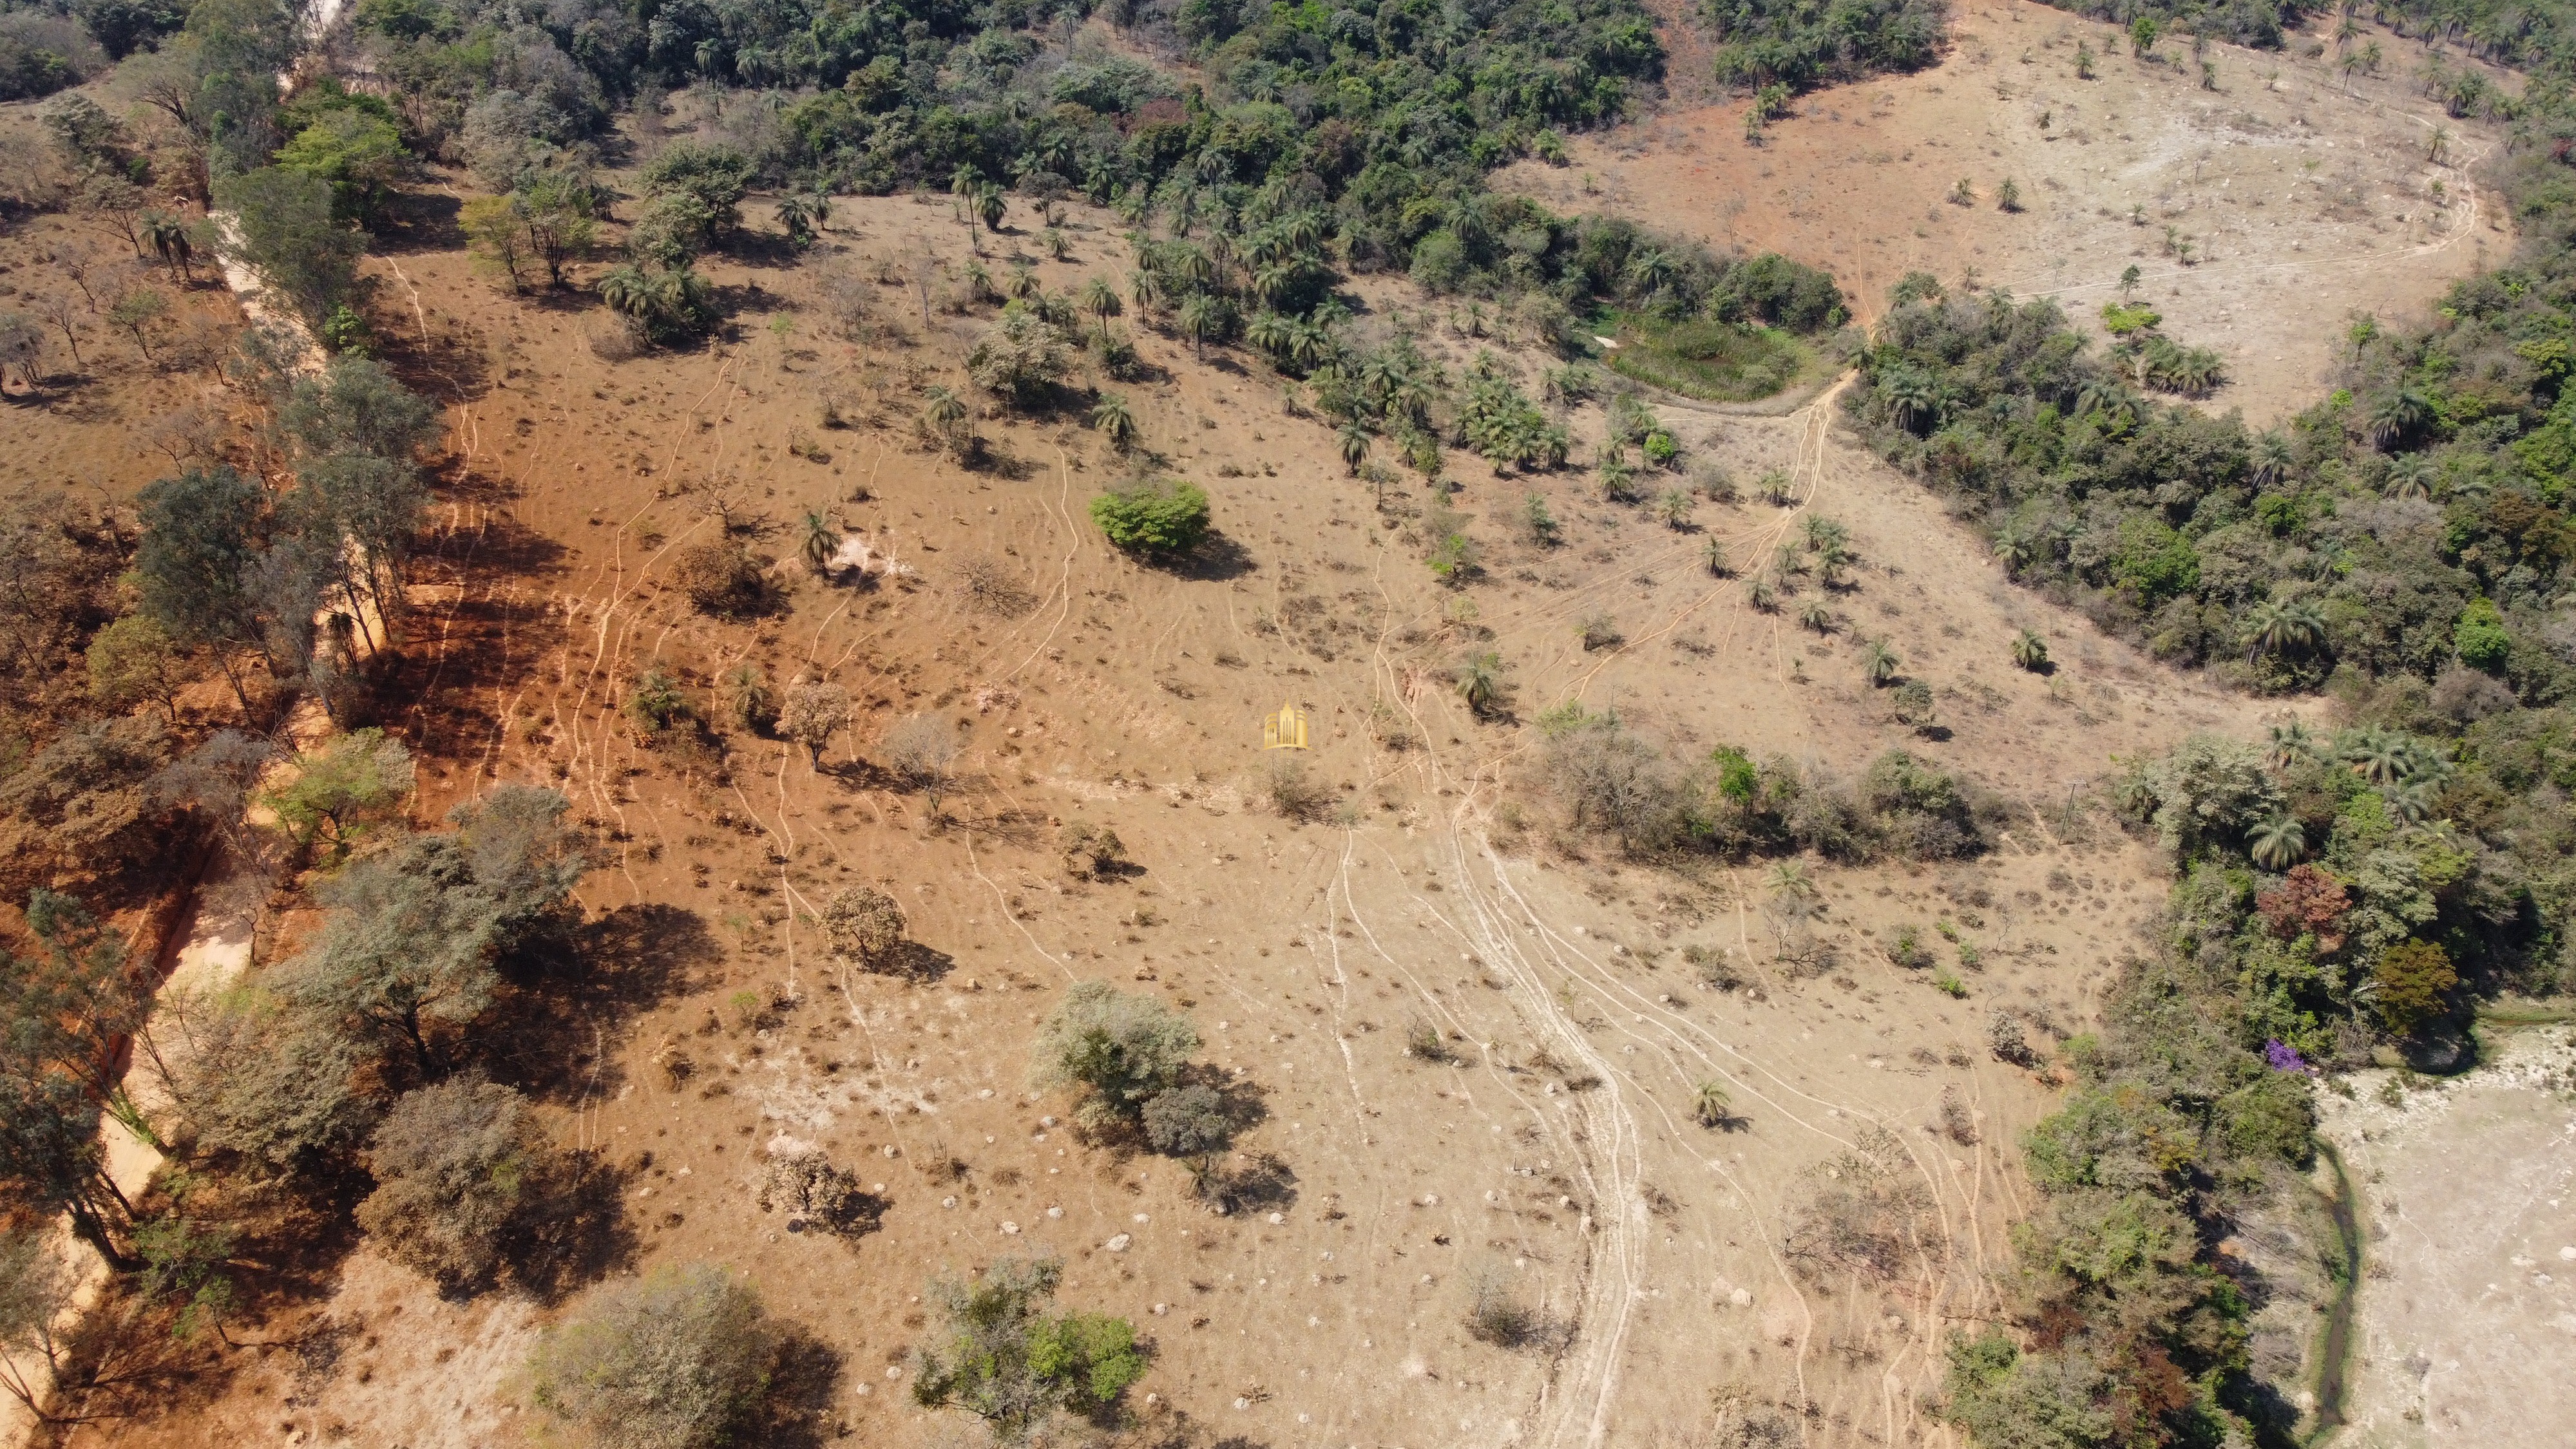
2406 773
1505 427
662 303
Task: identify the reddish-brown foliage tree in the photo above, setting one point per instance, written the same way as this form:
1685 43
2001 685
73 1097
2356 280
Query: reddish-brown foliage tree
2310 902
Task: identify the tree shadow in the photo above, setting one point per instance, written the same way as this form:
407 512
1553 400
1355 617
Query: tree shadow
1216 559
597 976
917 962
804 1381
575 1233
417 221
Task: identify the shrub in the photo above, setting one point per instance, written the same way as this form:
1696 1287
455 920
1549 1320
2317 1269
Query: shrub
815 1193
1118 1050
678 1359
814 712
1153 518
2480 638
864 925
454 1163
919 752
1092 850
720 578
2413 977
1006 1360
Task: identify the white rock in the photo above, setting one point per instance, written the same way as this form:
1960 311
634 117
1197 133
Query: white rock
1279 1217
948 1202
1011 1228
1119 1243
1055 1212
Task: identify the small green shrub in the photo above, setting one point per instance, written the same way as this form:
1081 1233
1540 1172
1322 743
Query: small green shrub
1153 518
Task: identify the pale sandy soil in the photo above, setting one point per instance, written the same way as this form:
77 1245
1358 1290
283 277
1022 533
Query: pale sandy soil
2303 204
2467 1315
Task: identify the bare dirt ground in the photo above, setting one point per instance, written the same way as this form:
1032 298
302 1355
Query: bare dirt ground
2302 203
2467 1313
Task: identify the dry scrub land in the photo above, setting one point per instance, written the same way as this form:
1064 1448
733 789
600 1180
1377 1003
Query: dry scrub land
1806 1266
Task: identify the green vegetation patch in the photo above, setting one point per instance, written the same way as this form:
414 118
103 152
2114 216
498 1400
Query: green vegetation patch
1711 360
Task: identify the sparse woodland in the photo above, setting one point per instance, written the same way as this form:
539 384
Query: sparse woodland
2403 548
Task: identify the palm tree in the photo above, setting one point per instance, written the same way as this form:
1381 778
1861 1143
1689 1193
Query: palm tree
2278 842
1710 1106
1910 394
627 290
979 280
2378 754
1878 663
2278 626
1675 509
2012 550
944 410
1790 882
1761 596
1814 615
1830 562
2396 415
1199 317
2411 801
1271 333
1714 555
168 238
1355 445
2289 745
820 542
2272 458
2411 476
963 184
989 206
1480 682
2030 651
797 215
1115 422
1099 299
1146 286
1192 265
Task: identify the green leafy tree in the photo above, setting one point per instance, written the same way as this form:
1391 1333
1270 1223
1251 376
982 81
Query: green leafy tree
1163 519
65 1015
1116 1049
1006 1360
1190 1123
359 155
409 949
337 787
292 236
133 662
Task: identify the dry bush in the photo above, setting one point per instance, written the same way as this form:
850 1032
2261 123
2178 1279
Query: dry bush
1295 794
613 339
678 1359
1497 1315
1423 1042
454 1165
1956 1121
864 925
720 579
991 587
919 752
1870 1217
816 1194
1715 967
1093 850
